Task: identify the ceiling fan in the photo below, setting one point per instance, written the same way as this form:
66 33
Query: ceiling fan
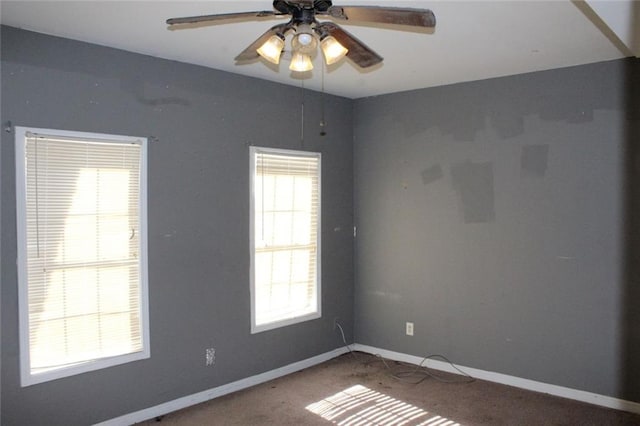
307 31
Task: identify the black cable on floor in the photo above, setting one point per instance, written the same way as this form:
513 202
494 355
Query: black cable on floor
420 372
344 340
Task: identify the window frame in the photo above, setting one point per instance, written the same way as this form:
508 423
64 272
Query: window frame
27 377
255 328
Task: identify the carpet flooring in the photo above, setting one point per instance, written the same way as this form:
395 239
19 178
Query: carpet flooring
359 390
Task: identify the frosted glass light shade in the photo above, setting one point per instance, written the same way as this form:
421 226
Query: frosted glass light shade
304 43
301 62
332 49
305 39
272 49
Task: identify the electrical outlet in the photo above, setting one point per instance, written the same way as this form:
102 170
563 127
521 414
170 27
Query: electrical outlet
409 329
210 356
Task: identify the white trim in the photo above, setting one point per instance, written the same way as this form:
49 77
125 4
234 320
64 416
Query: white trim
197 398
21 233
144 250
532 385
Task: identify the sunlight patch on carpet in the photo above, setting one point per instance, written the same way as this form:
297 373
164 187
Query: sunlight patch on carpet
361 406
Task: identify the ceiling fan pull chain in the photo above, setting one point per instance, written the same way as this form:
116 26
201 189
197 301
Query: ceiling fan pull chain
302 116
322 122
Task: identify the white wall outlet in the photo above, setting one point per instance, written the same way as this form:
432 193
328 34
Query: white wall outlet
210 356
409 329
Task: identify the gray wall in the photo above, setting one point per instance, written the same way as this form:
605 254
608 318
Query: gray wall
500 217
198 203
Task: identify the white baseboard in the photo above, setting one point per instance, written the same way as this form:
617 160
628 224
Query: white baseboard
197 398
578 395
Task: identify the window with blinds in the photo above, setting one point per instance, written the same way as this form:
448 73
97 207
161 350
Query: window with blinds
285 237
81 252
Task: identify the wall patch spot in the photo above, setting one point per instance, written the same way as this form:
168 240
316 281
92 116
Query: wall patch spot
431 174
474 184
534 159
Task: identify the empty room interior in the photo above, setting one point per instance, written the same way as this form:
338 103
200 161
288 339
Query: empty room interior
186 215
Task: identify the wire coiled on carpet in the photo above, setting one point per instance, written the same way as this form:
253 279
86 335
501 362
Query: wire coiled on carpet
417 374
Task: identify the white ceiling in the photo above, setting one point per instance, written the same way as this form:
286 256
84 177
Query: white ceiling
473 40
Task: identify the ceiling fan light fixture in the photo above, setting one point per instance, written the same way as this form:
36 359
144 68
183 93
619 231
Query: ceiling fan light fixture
308 32
300 62
332 49
272 49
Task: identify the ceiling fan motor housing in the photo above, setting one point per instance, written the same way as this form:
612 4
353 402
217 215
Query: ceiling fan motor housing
302 10
303 16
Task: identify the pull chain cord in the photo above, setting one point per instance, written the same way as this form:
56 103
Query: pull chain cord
302 116
322 122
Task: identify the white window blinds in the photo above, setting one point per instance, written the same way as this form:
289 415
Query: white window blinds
83 286
285 237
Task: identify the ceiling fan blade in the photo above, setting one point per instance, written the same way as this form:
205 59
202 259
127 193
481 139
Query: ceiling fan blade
358 52
250 52
385 15
221 17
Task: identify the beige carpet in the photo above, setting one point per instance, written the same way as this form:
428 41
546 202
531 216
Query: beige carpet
359 391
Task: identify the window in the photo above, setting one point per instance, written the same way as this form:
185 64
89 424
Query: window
285 237
82 274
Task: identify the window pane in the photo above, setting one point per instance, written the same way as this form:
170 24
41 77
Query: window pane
285 242
84 278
